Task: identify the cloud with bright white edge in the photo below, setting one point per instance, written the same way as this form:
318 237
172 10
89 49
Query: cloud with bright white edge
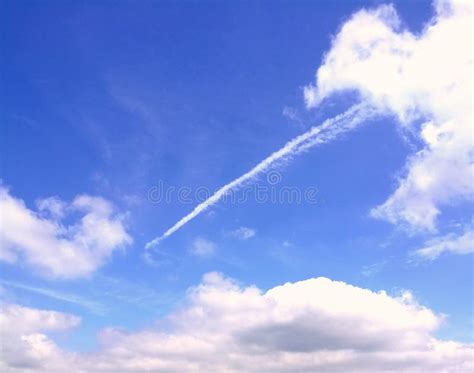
425 78
243 233
202 247
311 325
40 241
28 347
451 243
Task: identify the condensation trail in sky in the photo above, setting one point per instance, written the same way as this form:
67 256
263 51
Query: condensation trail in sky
317 135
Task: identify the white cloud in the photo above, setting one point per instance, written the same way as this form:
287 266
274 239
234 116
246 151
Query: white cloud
292 115
24 344
54 249
312 325
425 77
52 205
373 269
243 233
451 243
202 247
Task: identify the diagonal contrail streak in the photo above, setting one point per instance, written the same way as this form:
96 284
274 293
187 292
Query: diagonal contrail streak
329 130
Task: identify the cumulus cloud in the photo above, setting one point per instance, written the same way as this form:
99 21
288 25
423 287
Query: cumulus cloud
451 243
42 242
28 347
202 247
425 78
312 325
243 233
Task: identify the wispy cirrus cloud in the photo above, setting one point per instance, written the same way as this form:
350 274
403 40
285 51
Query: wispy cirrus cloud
372 269
243 233
132 293
92 306
452 243
202 247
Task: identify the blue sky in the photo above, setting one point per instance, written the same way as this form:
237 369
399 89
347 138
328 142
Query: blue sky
108 100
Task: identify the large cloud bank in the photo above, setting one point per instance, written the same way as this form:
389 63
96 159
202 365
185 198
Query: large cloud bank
312 325
426 81
41 241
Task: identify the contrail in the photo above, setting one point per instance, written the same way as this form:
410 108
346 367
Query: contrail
326 132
